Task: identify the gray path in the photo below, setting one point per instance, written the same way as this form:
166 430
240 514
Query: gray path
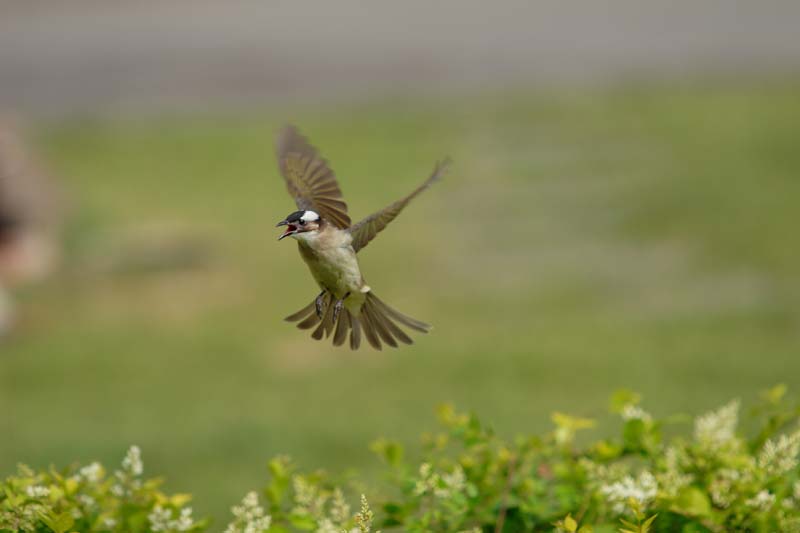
98 56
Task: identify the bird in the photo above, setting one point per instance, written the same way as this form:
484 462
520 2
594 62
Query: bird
329 245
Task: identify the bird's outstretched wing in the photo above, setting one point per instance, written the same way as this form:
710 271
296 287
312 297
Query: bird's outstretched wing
311 182
367 229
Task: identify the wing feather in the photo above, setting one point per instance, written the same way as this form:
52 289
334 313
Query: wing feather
309 178
366 230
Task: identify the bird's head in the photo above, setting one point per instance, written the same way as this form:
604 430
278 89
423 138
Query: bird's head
300 222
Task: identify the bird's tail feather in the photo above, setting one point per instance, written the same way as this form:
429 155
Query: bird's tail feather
378 322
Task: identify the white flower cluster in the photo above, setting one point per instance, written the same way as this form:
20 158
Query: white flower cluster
128 478
762 501
673 479
308 498
723 487
779 457
326 525
162 519
340 510
338 515
249 516
599 474
634 412
717 428
87 501
37 491
453 483
132 464
92 473
425 481
441 485
643 490
364 517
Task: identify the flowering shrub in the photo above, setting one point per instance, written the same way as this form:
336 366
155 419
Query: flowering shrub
469 480
90 499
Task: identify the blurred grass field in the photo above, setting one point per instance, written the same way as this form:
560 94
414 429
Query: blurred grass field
637 237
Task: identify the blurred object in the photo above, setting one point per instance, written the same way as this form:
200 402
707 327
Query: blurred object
28 219
144 249
90 57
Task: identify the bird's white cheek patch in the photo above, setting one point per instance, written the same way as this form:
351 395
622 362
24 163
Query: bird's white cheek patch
310 216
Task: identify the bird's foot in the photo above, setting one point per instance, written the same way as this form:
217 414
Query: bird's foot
319 304
337 307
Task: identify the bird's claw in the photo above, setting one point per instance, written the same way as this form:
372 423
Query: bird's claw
337 308
319 304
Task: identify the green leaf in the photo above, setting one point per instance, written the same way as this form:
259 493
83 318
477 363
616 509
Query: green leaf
303 522
633 434
60 523
390 451
570 524
605 450
693 502
775 394
279 469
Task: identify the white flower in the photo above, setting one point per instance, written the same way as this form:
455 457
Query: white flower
643 489
673 479
634 412
110 523
91 473
118 491
427 479
364 517
599 474
132 463
762 501
779 457
340 510
37 491
326 526
161 519
454 482
249 516
86 500
717 428
723 487
425 470
442 485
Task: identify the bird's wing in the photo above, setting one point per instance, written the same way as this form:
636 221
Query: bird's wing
367 229
311 182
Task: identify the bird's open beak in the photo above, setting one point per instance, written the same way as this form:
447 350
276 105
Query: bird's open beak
291 229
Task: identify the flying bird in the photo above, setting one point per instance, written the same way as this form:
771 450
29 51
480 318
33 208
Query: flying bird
328 243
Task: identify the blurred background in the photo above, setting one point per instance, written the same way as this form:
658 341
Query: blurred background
623 212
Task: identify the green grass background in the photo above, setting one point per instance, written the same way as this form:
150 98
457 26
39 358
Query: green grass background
641 237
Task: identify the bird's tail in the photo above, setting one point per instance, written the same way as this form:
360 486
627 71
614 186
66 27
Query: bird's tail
376 320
